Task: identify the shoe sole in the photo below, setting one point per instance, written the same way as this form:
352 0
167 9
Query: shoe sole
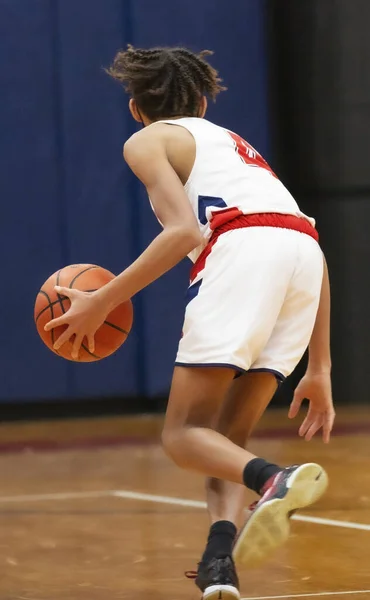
221 592
269 525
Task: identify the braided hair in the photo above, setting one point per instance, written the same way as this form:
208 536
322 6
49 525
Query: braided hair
166 82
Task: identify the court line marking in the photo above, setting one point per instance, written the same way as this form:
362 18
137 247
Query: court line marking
198 504
57 496
127 495
131 495
312 595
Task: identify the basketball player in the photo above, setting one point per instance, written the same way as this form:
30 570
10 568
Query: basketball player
259 295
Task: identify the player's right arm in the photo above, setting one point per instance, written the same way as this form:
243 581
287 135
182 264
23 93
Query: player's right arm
146 155
316 384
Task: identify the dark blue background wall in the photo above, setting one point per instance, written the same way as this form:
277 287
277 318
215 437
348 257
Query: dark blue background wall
66 194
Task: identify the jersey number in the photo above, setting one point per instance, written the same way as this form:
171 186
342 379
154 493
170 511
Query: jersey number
205 202
248 154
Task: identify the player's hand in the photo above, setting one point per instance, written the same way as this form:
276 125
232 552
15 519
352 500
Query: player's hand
316 388
84 317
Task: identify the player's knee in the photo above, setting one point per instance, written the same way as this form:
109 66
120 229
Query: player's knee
166 441
173 445
170 443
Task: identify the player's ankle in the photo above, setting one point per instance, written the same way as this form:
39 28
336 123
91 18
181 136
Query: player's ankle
257 472
220 540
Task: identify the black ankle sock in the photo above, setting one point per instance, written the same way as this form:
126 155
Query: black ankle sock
220 540
257 472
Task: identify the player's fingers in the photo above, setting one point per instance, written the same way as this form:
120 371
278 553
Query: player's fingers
56 322
326 430
314 428
295 405
91 343
64 291
63 338
309 419
304 427
77 346
328 426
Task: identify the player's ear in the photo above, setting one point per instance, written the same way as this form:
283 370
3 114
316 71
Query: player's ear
134 110
203 105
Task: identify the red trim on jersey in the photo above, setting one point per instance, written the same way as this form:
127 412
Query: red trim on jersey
223 216
220 225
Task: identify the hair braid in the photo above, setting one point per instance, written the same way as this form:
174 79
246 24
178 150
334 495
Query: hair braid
166 82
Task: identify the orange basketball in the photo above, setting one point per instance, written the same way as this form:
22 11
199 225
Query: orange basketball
50 305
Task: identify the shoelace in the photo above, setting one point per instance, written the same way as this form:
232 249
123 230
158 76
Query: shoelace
191 574
222 567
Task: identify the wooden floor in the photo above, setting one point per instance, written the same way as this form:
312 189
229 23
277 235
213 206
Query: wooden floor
94 510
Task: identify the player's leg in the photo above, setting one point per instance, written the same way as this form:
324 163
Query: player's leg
245 403
242 408
196 395
188 438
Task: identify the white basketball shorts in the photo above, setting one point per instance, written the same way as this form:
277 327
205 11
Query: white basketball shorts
254 305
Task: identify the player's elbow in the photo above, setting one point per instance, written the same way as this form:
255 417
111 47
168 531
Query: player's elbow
189 237
182 237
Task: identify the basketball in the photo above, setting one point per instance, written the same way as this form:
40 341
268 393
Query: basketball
50 305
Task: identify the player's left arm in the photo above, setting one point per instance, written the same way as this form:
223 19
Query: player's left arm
316 384
146 155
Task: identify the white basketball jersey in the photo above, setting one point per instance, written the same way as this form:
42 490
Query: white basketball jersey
229 173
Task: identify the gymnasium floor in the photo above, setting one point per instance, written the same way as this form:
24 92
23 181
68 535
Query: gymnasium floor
92 509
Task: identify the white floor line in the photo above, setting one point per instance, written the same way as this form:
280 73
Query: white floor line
313 595
159 499
57 496
131 495
332 522
197 504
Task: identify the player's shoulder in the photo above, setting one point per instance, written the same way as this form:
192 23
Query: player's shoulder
143 142
156 133
155 138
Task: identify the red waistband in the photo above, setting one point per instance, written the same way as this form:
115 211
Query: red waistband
299 224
